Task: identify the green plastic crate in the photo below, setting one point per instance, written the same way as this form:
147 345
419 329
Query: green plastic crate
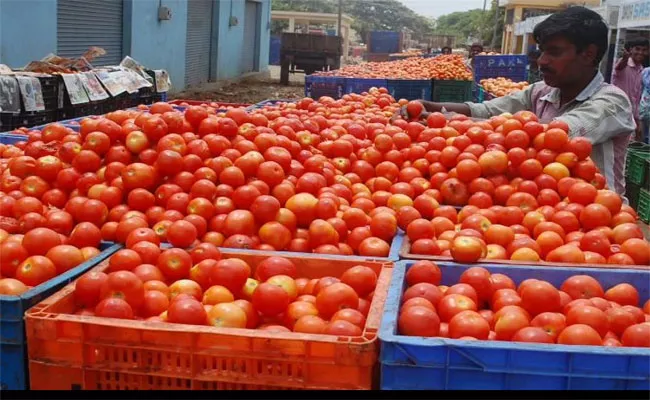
632 193
452 91
636 164
643 208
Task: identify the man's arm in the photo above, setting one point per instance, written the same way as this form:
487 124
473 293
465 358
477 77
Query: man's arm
623 61
602 118
516 101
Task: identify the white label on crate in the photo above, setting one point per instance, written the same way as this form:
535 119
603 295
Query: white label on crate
162 81
75 88
95 90
110 83
30 89
9 94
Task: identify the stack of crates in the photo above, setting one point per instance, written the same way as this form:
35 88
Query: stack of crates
319 86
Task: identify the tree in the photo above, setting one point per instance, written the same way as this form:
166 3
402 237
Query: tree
473 23
368 15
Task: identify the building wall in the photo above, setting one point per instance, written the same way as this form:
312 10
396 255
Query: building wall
230 38
156 44
27 31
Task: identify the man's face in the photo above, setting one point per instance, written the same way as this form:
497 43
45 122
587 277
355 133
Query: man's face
639 53
561 64
476 50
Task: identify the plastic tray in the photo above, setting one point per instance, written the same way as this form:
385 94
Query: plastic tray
501 66
410 89
449 364
452 91
318 86
76 352
404 253
360 85
13 343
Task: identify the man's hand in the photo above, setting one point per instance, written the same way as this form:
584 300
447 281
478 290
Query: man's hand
638 131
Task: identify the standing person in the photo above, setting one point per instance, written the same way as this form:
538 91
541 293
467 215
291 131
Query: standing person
446 50
475 50
644 106
534 74
572 42
627 74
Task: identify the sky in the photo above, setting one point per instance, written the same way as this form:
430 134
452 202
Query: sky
436 8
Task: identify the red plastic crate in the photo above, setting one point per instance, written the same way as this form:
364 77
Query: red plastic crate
405 254
69 351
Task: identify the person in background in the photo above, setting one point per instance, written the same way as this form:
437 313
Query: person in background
627 74
534 75
475 50
446 50
572 44
644 106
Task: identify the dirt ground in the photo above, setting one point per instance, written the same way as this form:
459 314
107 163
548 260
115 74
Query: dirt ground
249 90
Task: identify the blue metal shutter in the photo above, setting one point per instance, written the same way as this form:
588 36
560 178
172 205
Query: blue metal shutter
198 43
85 23
251 44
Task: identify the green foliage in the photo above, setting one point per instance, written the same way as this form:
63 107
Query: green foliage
369 15
475 23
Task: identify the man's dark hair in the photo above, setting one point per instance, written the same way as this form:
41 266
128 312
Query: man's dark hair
446 48
535 53
638 41
579 25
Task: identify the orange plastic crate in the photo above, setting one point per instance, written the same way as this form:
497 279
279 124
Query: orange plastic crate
69 351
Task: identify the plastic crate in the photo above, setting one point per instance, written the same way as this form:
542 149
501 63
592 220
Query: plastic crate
393 254
643 207
501 66
420 89
452 91
384 41
632 194
10 138
13 343
449 364
9 122
636 163
318 86
51 90
360 85
209 103
75 352
405 254
269 102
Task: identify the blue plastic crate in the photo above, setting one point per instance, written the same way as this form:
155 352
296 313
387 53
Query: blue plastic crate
360 85
384 42
319 86
269 102
274 49
504 66
448 364
10 138
420 89
13 342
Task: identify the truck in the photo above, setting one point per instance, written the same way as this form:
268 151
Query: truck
307 52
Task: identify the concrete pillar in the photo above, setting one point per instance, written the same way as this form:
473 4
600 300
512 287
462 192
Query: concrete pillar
292 24
346 41
620 43
524 46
